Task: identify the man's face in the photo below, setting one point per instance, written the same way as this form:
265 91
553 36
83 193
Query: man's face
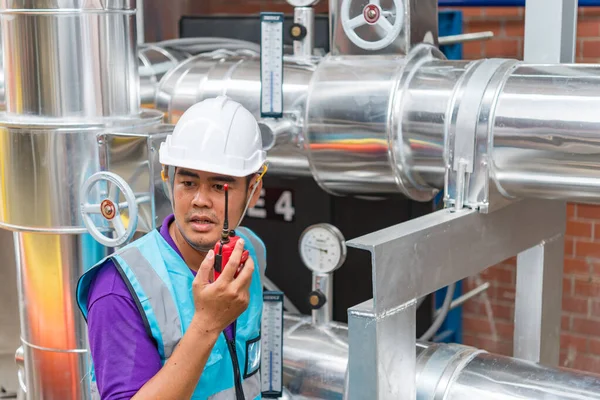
199 204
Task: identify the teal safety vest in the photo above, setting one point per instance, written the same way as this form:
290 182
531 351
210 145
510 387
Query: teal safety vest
161 285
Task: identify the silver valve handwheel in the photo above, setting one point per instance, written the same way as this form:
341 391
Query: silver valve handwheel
110 209
373 14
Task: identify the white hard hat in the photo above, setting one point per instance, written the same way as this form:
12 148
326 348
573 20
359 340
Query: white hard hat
216 135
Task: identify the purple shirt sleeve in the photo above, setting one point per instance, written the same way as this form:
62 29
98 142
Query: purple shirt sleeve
124 356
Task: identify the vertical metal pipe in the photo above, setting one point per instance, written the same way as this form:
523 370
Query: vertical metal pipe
72 77
52 330
73 59
324 284
305 16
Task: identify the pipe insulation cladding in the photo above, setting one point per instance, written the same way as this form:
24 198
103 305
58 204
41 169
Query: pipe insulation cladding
315 360
72 78
383 124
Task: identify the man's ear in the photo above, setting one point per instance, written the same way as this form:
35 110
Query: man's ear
256 194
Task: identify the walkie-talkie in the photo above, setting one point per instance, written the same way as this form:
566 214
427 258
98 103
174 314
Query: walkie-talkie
225 246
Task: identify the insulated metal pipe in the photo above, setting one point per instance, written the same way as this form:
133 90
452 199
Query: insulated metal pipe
154 62
382 124
315 360
61 66
238 76
71 78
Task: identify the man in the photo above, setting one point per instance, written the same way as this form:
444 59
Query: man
159 325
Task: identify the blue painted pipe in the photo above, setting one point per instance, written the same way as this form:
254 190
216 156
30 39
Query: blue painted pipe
502 3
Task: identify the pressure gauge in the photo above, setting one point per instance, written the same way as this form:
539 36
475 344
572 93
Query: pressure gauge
322 248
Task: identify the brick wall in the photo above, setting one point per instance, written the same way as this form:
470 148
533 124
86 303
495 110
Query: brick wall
488 320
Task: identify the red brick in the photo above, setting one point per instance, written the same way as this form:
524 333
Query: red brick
577 305
502 48
589 12
504 12
483 26
498 274
588 28
476 325
473 307
586 326
576 266
565 322
322 7
579 48
571 210
505 293
595 345
587 249
580 229
569 340
470 12
471 340
567 286
511 261
591 48
588 211
472 50
595 308
505 329
587 363
569 247
514 29
503 347
586 287
502 312
584 60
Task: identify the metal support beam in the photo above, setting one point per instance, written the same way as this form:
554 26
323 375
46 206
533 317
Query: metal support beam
387 343
539 301
428 253
420 256
550 31
550 37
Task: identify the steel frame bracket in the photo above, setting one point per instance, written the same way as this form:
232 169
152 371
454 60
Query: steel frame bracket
420 256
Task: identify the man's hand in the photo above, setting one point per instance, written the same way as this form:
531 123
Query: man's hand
219 303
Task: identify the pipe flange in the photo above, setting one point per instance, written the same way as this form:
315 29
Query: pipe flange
110 209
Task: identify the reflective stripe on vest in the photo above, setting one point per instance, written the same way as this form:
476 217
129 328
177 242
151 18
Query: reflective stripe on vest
160 299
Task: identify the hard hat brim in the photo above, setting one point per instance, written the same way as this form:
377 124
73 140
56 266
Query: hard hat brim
210 167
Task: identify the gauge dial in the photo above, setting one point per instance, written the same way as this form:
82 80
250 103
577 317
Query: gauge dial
322 248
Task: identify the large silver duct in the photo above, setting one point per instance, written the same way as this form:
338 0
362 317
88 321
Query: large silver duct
383 124
71 79
315 360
